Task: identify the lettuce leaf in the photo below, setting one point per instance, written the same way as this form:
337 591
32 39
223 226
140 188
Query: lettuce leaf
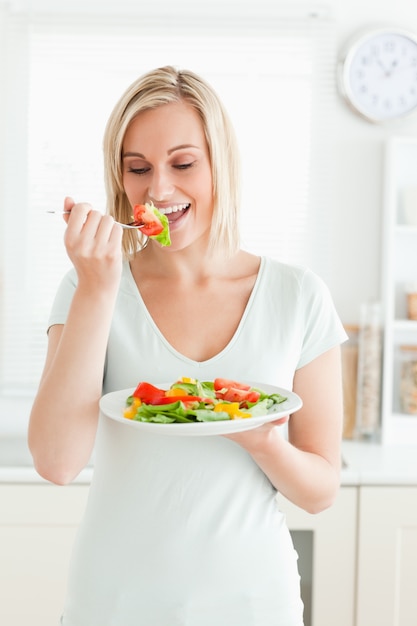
207 415
164 236
203 389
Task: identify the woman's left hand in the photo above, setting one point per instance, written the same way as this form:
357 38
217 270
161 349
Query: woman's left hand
305 466
253 438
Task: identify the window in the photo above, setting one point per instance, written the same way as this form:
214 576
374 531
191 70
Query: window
62 78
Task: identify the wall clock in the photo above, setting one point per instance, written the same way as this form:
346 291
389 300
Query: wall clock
377 74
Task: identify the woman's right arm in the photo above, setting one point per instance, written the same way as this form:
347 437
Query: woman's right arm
64 415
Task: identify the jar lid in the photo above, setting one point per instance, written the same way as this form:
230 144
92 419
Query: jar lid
351 328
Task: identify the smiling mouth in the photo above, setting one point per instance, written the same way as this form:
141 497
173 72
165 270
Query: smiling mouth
175 211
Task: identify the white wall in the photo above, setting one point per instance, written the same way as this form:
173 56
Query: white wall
357 175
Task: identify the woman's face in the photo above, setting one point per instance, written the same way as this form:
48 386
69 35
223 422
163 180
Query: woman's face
166 161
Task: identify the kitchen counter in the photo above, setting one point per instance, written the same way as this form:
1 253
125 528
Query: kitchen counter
364 464
373 464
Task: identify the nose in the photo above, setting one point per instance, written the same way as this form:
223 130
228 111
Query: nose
161 186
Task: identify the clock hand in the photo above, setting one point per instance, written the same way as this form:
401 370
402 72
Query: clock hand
403 66
384 69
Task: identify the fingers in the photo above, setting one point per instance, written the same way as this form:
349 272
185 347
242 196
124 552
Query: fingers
79 212
68 205
89 233
280 421
252 438
83 219
94 245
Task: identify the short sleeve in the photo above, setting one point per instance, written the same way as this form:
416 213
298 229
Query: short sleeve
63 299
323 328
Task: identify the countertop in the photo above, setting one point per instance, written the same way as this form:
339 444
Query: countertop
376 464
364 464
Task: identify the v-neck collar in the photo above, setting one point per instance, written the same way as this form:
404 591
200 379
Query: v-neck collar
133 288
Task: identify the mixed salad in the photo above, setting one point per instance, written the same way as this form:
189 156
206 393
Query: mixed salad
155 223
189 400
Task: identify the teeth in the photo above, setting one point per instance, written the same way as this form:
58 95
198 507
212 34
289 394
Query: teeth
173 209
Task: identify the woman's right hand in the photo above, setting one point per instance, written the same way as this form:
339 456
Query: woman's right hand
94 245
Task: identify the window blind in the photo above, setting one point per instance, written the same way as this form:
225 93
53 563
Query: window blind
61 80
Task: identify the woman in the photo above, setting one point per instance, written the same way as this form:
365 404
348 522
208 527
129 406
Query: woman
183 530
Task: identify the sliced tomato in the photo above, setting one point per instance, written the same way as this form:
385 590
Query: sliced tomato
149 394
253 396
224 383
144 215
233 391
238 395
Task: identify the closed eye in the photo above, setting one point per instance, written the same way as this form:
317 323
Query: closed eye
138 170
184 166
145 170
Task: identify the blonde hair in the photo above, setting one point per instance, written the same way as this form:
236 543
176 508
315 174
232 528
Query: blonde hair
156 88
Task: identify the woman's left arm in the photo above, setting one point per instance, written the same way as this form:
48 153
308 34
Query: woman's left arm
306 467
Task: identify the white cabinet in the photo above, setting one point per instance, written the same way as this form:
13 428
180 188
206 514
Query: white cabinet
387 556
398 270
333 535
37 528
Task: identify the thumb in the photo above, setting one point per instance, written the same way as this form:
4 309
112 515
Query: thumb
68 204
281 421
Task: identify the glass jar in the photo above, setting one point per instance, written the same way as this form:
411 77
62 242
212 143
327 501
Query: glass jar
411 295
408 379
369 372
350 380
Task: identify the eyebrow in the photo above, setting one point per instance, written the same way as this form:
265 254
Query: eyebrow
170 151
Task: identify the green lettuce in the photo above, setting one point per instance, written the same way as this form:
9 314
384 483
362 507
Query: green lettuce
163 237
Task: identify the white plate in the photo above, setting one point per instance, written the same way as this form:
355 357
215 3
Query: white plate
113 404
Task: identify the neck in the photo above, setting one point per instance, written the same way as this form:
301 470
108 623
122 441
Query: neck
191 262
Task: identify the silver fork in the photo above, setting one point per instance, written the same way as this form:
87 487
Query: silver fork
134 225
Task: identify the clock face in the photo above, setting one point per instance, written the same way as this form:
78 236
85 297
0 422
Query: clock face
380 75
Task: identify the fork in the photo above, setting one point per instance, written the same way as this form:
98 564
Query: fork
134 225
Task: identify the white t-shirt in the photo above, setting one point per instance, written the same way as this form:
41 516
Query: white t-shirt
186 531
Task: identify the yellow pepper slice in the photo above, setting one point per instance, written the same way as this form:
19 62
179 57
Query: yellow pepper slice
130 412
176 391
232 409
